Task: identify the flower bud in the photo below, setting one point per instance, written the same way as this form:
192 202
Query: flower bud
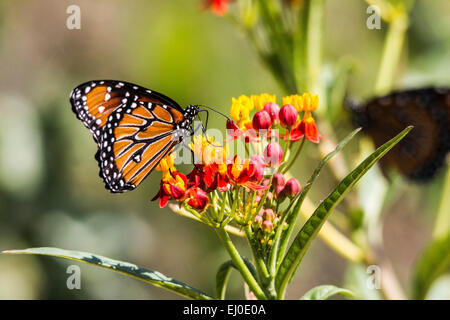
233 130
278 191
198 198
273 110
260 165
288 116
278 180
269 214
268 225
177 192
231 125
261 120
258 220
292 187
273 154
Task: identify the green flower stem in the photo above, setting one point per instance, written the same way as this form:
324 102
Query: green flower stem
263 199
314 45
274 260
182 211
260 264
222 209
442 224
289 164
232 213
391 52
247 151
199 216
240 264
287 155
213 208
279 43
249 214
235 201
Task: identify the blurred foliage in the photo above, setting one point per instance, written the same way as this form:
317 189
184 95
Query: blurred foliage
50 192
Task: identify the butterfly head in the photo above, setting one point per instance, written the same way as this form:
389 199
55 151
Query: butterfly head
189 114
184 128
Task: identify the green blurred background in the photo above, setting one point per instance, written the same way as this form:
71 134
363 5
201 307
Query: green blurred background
50 192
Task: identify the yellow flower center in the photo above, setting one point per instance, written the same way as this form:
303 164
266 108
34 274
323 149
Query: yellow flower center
260 100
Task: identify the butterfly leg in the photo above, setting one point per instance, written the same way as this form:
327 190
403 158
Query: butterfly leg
206 124
184 144
204 128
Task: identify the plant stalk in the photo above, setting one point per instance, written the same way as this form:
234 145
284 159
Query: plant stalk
442 224
391 52
240 264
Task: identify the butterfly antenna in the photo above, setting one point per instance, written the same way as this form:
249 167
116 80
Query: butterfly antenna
222 114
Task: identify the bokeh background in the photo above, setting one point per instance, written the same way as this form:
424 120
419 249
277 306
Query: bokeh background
50 192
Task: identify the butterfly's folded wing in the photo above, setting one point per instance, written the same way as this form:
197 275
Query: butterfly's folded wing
422 152
132 126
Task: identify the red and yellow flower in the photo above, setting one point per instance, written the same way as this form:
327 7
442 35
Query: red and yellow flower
240 172
210 174
197 198
305 127
308 128
173 186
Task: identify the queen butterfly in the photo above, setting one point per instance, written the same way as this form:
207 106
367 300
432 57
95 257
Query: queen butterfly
423 151
134 128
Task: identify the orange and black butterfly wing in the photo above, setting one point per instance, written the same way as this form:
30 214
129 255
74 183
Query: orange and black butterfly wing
422 152
133 127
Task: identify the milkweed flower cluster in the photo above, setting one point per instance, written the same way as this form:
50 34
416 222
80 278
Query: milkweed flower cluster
295 116
248 189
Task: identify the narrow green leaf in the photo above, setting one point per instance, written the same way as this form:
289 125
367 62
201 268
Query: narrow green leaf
153 277
434 261
224 273
292 213
222 278
310 229
323 292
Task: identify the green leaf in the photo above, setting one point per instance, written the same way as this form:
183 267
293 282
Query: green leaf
323 292
292 213
153 277
311 227
224 273
434 262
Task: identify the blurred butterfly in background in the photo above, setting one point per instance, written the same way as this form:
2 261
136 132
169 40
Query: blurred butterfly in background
423 151
134 128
